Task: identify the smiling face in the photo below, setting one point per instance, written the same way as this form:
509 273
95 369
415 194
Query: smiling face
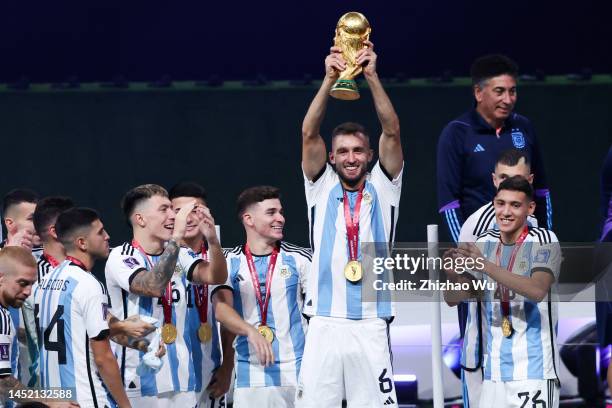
155 215
511 211
496 98
350 156
266 219
193 221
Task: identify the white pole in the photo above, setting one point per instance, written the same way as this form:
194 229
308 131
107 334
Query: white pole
436 324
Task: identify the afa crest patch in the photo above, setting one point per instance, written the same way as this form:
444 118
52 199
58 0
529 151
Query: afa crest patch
4 352
542 256
131 262
285 272
518 139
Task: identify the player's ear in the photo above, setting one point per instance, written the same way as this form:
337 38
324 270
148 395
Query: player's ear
247 219
10 225
51 230
138 219
332 158
532 206
81 243
370 155
530 178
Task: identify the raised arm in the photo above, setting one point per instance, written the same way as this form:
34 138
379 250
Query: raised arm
153 282
314 154
390 145
214 271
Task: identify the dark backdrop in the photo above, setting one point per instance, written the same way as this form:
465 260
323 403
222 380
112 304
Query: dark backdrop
96 40
95 145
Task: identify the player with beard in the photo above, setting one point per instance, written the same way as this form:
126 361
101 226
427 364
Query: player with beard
348 337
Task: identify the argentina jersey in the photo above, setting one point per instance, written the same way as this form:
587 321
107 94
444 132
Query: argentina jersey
530 353
177 373
9 349
284 317
70 307
206 356
329 292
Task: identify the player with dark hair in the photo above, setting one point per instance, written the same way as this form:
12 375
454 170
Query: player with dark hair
262 302
71 308
200 260
140 279
520 312
347 205
18 208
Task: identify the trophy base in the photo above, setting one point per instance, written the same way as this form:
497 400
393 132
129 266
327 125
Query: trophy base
345 89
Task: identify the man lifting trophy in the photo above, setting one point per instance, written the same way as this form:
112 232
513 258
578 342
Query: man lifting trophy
352 31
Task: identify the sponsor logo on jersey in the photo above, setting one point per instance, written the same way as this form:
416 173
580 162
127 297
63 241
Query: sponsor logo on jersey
131 262
4 352
518 140
479 148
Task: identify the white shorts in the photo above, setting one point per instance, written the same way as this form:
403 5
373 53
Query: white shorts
264 397
520 394
346 359
167 400
472 388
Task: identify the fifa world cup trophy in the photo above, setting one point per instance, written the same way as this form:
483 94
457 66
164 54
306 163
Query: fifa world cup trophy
352 30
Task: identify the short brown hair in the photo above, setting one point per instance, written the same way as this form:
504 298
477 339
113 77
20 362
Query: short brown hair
350 128
137 195
255 195
15 255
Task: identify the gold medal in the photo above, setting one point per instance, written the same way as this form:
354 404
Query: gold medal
506 327
352 271
168 333
266 332
205 332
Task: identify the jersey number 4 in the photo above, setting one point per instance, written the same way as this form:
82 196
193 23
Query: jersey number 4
60 344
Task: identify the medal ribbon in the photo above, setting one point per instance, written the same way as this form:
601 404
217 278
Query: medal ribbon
352 223
167 297
54 262
263 305
504 292
201 293
75 261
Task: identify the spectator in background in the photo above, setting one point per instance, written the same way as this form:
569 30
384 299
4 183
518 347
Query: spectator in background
470 145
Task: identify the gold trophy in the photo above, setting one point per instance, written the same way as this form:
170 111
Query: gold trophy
352 30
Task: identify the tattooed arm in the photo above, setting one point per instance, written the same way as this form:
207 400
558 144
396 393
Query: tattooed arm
153 282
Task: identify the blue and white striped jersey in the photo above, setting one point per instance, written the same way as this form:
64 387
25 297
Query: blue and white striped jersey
7 348
284 317
329 292
70 307
531 352
177 373
207 357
